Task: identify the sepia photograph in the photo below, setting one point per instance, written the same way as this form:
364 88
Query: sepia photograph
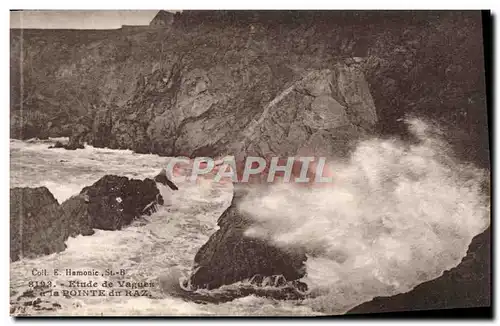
244 163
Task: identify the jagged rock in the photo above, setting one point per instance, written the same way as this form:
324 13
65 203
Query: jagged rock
257 279
73 146
217 76
194 97
355 92
258 106
333 144
466 286
33 300
60 129
277 280
164 180
114 201
229 256
172 109
320 84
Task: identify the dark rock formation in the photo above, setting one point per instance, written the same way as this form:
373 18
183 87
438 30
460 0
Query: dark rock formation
34 217
74 210
466 286
162 19
58 144
33 300
164 180
40 226
101 128
77 137
113 201
229 256
322 113
221 70
72 145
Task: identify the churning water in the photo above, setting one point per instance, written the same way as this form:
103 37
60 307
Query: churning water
396 215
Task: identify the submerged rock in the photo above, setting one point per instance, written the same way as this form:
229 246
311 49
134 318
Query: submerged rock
164 180
114 201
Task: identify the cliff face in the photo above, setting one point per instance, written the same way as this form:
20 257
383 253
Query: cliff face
220 73
35 223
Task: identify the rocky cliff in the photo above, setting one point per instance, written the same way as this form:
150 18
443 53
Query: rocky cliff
40 226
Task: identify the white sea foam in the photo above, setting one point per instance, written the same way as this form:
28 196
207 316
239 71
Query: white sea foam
395 216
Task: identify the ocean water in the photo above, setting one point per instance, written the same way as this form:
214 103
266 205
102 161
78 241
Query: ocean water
396 215
159 249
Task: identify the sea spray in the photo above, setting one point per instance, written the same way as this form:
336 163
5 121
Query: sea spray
396 215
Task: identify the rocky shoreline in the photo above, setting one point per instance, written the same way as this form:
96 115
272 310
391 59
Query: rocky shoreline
40 225
228 257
